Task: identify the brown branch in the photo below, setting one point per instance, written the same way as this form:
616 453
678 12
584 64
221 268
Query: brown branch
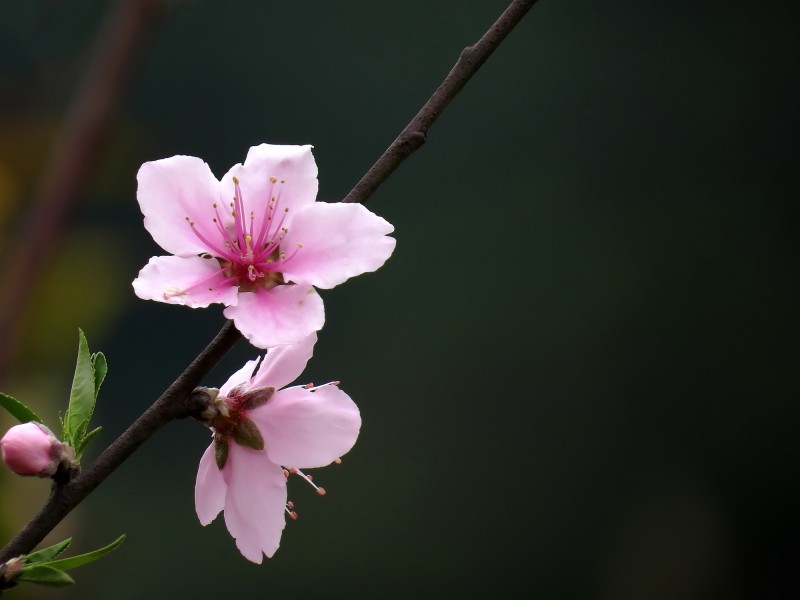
416 132
71 161
176 402
172 404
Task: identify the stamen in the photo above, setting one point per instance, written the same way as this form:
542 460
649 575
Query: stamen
290 510
239 212
315 388
320 490
211 246
222 230
274 242
182 292
285 259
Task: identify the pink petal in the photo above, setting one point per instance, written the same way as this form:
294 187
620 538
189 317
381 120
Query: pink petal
295 186
283 364
283 315
191 281
338 241
172 189
241 376
307 429
209 489
255 502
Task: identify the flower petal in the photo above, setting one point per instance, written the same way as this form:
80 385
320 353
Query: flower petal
308 429
243 375
334 242
209 489
172 189
283 315
295 184
255 502
191 281
283 364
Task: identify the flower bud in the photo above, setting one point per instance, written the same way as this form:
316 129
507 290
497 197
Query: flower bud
32 449
9 570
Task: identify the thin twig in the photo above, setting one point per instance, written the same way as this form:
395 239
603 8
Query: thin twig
71 161
416 132
169 406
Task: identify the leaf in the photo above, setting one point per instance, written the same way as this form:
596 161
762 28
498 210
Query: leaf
18 410
45 575
100 366
47 554
85 441
83 559
82 396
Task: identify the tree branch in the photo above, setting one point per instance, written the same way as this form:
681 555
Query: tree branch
170 405
416 132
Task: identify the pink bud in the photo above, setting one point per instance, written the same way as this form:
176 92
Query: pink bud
31 449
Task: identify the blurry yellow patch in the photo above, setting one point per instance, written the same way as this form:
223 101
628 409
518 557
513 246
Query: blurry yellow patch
87 286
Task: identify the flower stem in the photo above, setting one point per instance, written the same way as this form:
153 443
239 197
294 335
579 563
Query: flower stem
172 404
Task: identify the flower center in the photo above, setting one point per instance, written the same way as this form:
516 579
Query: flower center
248 249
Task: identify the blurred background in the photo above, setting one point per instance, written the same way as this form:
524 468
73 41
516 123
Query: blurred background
579 372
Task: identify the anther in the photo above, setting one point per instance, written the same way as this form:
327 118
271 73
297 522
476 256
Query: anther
272 180
235 180
338 461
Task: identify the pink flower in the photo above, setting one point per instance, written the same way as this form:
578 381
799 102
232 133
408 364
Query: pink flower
32 449
241 240
260 436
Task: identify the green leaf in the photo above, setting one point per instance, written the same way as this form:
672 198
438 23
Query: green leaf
86 439
100 366
18 410
83 559
82 396
47 554
45 575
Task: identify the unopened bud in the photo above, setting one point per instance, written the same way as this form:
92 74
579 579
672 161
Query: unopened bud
9 570
32 449
208 405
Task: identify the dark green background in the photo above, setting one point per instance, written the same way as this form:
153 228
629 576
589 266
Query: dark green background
578 374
